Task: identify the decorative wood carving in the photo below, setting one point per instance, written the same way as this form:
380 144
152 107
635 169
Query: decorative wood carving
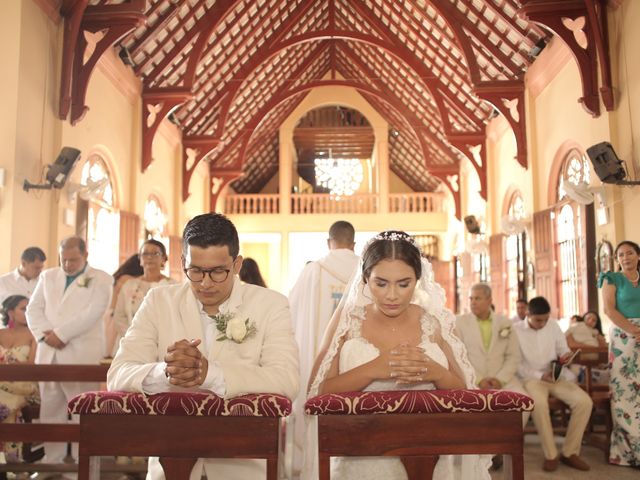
472 146
156 105
89 32
219 179
450 176
508 98
581 24
194 149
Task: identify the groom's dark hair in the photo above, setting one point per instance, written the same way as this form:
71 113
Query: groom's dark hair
211 230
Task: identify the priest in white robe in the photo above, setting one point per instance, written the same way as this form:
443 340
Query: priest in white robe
313 300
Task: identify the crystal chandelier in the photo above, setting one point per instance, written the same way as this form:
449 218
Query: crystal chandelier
342 176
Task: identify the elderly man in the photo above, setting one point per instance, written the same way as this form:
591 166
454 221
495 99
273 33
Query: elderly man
23 280
493 348
65 317
211 332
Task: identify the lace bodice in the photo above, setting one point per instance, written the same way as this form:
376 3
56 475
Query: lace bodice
358 351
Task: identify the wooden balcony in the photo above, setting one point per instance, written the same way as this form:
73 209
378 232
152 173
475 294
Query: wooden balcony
260 204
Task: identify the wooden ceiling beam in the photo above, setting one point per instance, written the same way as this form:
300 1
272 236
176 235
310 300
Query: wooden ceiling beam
404 54
581 24
420 129
163 21
140 67
202 28
194 149
156 105
102 26
491 26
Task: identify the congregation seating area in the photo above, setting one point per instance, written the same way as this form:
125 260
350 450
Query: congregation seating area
132 424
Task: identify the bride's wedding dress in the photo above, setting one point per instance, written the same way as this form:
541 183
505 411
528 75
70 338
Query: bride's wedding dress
358 351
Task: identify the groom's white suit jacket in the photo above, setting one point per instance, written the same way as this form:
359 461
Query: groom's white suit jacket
74 314
267 362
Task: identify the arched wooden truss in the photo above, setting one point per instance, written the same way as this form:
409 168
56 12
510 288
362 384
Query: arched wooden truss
230 71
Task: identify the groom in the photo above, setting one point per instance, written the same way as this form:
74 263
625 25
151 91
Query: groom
173 343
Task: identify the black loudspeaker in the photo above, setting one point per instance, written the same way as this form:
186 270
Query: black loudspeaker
59 171
472 224
606 163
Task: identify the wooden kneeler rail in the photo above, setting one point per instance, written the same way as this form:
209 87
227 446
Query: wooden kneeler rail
419 426
43 432
178 427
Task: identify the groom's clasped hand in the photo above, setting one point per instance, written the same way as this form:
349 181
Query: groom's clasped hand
186 366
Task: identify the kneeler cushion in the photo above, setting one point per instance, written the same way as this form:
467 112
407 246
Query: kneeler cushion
180 403
417 401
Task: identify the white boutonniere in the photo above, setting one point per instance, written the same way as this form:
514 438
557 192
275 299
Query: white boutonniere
83 281
232 327
504 332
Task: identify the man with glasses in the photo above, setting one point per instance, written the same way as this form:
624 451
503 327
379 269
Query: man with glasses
211 332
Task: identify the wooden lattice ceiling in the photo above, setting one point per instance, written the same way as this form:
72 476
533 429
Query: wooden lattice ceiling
230 71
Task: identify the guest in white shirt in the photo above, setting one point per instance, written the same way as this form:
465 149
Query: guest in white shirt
23 280
521 311
541 342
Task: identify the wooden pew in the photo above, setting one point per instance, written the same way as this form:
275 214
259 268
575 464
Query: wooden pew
419 426
41 432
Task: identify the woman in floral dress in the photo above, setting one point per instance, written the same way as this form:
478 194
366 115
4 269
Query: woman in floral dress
153 257
621 294
17 345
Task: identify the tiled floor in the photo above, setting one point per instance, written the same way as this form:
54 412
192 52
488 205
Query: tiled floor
600 470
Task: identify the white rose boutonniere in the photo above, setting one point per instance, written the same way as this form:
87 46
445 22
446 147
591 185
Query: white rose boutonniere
504 332
83 281
232 327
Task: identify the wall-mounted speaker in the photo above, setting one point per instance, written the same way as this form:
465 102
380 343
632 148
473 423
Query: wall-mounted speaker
472 224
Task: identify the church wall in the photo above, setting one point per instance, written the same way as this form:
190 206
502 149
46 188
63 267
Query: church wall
30 131
198 201
10 27
625 120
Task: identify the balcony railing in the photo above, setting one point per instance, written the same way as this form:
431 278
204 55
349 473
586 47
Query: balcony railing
260 204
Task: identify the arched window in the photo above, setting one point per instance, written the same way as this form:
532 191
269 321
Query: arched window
155 224
517 245
99 220
570 240
155 220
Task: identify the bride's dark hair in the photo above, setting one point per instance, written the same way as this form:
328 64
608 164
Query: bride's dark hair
391 245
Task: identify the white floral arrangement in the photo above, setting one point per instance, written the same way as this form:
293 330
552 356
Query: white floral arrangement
504 332
234 328
83 281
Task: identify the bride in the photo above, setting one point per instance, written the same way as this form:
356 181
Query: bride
393 332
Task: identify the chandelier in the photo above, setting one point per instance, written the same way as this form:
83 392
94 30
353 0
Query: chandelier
342 176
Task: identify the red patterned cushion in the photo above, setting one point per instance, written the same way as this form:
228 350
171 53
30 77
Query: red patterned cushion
181 404
418 401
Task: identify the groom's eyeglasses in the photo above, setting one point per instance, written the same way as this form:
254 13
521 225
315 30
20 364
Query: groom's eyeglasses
217 275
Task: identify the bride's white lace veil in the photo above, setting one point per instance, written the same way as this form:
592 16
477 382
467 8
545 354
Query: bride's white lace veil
428 295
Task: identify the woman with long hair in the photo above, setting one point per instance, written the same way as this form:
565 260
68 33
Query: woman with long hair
392 331
621 295
17 345
250 272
